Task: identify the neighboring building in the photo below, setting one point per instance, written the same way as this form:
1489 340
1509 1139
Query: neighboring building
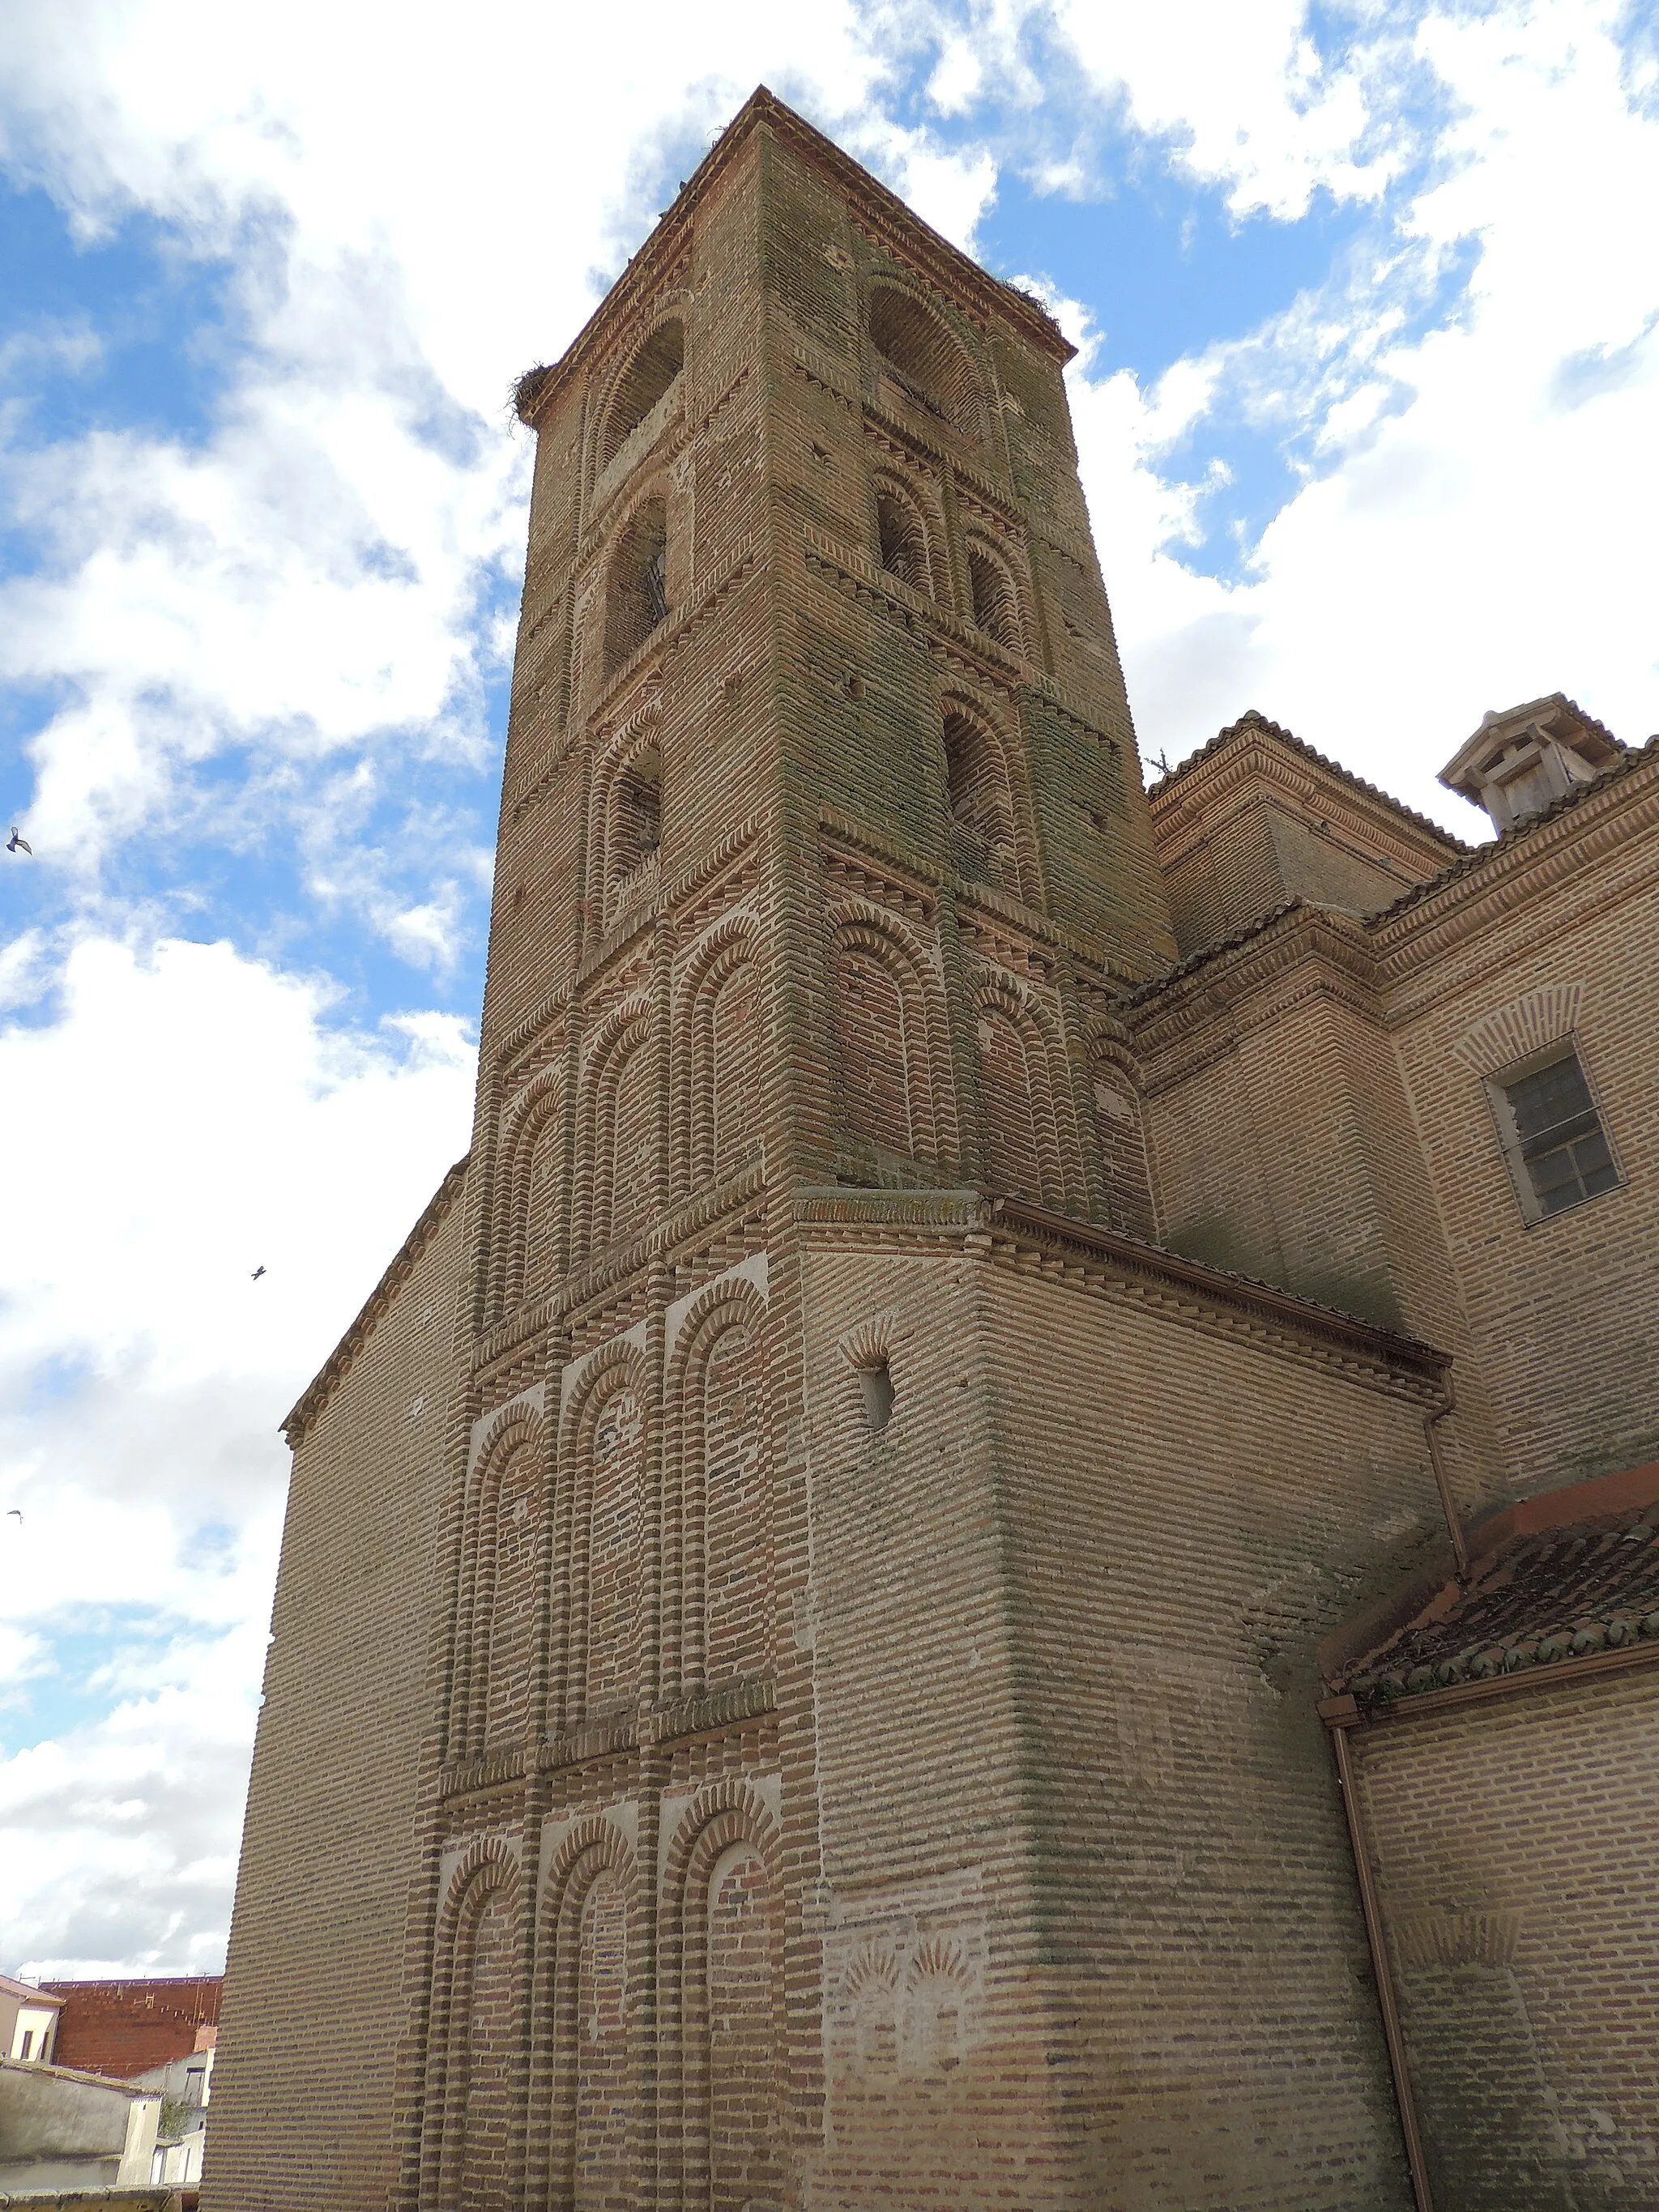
129 2029
991 1316
186 2087
61 2130
28 2021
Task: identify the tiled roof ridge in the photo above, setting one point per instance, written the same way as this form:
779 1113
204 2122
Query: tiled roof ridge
1582 1616
1630 759
1142 992
1253 721
317 1392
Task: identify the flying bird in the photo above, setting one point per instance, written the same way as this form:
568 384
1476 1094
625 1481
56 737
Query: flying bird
258 1272
17 844
14 1513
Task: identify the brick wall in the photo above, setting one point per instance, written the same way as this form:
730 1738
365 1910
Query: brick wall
122 2028
1510 1840
315 2012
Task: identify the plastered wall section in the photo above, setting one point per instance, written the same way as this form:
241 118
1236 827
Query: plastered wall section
1512 1847
1187 1512
314 2012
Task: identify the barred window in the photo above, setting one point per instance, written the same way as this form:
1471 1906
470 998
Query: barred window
1558 1150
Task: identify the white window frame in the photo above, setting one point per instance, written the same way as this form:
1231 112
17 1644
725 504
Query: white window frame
1497 1086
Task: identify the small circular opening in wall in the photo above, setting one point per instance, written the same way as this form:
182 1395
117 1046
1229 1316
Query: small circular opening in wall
855 687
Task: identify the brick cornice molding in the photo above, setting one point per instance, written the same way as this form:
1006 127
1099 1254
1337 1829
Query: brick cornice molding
1013 1233
1561 848
338 1366
1229 784
1253 730
879 213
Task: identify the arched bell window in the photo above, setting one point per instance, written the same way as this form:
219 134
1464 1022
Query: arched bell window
902 537
917 349
981 803
637 602
995 601
637 818
647 378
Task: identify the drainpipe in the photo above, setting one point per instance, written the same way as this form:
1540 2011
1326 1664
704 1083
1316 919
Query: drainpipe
1448 1506
1387 1999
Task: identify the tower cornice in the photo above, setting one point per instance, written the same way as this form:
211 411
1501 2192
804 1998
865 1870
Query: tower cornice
897 227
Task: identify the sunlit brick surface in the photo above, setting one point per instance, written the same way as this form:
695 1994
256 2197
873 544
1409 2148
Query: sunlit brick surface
798 1690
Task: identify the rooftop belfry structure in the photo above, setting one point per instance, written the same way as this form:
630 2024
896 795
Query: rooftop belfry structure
990 1322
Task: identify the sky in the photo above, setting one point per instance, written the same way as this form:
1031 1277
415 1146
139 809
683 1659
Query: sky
1367 304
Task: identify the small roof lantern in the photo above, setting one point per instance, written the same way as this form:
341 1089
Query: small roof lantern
1522 761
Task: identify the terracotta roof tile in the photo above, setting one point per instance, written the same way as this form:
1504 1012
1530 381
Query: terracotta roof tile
1564 1593
1252 719
1628 761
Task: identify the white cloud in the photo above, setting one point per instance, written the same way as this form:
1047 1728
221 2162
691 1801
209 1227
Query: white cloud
191 1115
1474 530
1243 95
412 205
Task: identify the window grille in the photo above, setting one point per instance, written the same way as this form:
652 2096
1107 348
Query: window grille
1558 1149
655 582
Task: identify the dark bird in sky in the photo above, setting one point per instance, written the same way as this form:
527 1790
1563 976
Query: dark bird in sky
258 1272
17 844
14 1513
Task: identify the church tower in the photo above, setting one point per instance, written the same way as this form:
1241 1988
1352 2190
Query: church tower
822 845
846 1685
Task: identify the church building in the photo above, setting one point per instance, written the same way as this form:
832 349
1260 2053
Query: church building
999 1547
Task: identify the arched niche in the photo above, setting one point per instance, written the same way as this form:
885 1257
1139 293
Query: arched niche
650 374
917 349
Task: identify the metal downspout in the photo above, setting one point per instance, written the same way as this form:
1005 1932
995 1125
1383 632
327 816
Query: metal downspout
1388 2003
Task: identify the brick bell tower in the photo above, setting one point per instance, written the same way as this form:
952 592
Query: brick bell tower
754 1874
821 846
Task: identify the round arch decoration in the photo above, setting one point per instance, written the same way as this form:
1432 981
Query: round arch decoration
859 926
488 1869
615 1367
1002 996
728 1814
726 1304
517 1431
626 1029
732 942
